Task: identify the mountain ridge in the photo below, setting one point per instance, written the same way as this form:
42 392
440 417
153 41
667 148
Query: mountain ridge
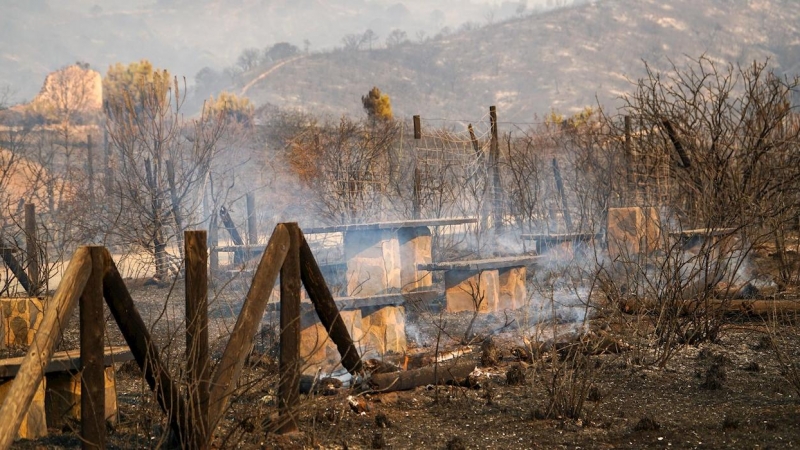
564 59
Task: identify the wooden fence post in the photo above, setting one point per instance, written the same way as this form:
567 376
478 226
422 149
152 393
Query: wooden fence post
197 359
92 331
560 188
213 233
289 359
416 198
32 249
30 373
90 168
417 194
475 145
494 158
252 228
630 187
226 374
174 199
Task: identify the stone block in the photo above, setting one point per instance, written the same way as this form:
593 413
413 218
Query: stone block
63 397
316 348
34 423
513 291
20 320
415 248
466 290
384 330
632 232
373 265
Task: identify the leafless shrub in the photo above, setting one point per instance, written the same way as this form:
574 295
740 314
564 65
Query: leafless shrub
781 330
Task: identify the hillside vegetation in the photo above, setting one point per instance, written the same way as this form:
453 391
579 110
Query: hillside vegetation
183 36
564 59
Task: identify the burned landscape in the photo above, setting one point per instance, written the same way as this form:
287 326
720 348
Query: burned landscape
235 275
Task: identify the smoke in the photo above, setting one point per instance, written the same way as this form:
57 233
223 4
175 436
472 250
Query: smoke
413 333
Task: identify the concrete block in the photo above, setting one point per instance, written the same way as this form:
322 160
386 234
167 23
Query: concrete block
466 290
632 232
20 320
513 291
384 330
415 248
316 348
63 397
34 423
373 265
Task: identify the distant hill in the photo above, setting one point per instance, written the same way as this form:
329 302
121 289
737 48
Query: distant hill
564 59
183 36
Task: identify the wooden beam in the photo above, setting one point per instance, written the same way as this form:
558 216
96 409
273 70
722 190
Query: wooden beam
328 313
92 332
198 367
393 225
7 253
289 358
226 373
31 371
66 361
238 257
142 346
484 264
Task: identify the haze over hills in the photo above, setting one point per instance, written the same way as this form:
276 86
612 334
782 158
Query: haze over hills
183 36
564 59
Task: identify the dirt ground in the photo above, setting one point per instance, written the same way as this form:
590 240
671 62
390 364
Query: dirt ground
741 391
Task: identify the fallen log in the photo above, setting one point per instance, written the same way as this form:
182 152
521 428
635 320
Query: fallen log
732 306
403 381
761 307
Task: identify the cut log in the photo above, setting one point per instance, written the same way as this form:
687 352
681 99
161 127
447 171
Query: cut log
403 381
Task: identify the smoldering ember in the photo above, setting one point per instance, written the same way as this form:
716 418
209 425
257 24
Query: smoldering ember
575 224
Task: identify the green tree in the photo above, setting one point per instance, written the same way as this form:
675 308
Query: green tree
377 105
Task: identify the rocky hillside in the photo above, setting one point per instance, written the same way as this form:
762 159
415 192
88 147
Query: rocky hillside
564 59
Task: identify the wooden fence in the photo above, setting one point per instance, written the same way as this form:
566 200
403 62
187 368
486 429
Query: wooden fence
193 416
